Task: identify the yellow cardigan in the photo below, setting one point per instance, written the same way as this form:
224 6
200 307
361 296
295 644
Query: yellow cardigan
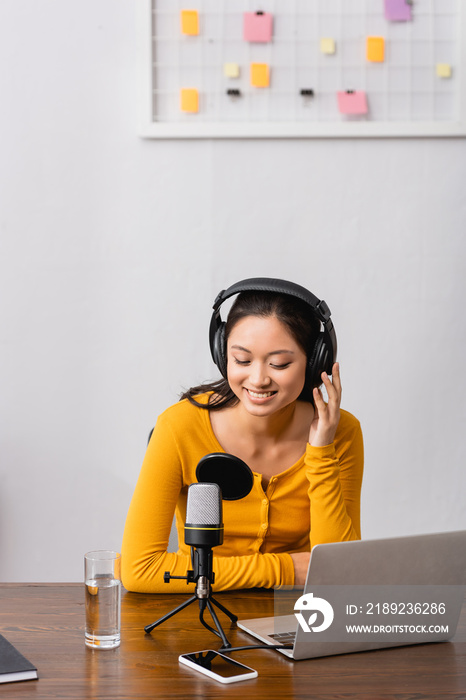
314 501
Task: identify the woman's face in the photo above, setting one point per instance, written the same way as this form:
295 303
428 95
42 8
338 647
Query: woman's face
265 365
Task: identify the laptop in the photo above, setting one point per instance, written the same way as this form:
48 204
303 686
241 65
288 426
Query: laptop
370 594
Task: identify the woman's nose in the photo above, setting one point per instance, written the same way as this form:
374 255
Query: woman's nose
259 375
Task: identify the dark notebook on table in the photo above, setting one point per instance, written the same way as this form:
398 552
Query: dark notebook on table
13 665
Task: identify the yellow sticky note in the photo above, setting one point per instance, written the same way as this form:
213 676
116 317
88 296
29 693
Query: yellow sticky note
260 76
231 70
375 46
189 100
443 70
189 22
327 45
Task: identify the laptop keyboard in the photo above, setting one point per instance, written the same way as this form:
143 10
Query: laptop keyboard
284 637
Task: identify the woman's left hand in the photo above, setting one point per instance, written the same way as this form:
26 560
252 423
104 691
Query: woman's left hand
326 415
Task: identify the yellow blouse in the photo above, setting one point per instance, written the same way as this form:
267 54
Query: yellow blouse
314 501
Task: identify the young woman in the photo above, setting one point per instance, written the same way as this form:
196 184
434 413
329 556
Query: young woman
306 454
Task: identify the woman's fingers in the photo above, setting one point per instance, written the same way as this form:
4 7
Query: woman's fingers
336 379
319 399
327 415
333 386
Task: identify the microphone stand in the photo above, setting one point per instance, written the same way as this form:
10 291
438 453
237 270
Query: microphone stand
203 576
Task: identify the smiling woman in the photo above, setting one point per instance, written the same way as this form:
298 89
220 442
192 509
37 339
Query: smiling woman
266 366
274 352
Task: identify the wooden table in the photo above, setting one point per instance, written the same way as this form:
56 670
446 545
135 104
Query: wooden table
46 623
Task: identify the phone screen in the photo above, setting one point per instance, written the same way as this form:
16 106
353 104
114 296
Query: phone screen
215 662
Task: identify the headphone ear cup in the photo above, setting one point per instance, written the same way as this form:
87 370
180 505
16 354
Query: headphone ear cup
318 363
219 350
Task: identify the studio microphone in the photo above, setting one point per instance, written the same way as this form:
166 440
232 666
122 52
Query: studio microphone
203 530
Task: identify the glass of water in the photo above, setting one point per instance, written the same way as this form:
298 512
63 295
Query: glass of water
103 599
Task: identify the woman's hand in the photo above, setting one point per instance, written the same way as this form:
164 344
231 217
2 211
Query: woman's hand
326 416
301 565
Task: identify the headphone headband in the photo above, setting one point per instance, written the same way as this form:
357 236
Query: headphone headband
325 350
269 284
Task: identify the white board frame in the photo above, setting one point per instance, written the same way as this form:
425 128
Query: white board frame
150 128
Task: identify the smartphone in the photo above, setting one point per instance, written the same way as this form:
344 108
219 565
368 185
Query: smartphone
217 666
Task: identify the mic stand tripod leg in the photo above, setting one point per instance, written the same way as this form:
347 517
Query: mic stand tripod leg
202 605
149 628
232 616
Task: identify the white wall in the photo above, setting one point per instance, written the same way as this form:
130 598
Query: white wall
113 248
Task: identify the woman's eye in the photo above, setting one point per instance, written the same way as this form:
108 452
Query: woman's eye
241 362
281 366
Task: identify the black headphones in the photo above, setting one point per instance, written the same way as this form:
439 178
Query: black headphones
324 352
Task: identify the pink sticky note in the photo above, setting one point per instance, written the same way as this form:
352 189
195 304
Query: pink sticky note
352 102
398 10
257 26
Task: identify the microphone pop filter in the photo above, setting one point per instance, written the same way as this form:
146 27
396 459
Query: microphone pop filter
232 474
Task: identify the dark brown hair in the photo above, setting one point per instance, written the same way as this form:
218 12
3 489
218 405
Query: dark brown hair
291 311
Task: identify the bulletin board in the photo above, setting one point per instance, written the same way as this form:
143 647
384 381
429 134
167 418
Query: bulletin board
302 68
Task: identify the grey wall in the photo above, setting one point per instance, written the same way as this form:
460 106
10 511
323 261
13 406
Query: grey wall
112 249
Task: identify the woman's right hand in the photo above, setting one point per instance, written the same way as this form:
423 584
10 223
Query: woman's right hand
301 565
